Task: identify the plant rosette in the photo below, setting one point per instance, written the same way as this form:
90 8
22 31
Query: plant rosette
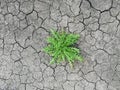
61 47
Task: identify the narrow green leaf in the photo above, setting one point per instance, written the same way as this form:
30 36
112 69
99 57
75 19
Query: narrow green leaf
55 34
80 58
52 61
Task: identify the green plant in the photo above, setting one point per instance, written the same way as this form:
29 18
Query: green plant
61 47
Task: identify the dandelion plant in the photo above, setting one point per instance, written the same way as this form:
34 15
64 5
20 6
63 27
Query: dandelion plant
61 47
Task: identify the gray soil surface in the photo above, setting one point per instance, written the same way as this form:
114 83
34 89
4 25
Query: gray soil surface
24 26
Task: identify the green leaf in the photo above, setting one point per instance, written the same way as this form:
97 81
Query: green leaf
54 34
80 58
52 61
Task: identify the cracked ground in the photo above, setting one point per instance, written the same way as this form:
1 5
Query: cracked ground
24 27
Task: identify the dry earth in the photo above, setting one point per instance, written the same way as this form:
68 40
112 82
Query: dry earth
24 26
